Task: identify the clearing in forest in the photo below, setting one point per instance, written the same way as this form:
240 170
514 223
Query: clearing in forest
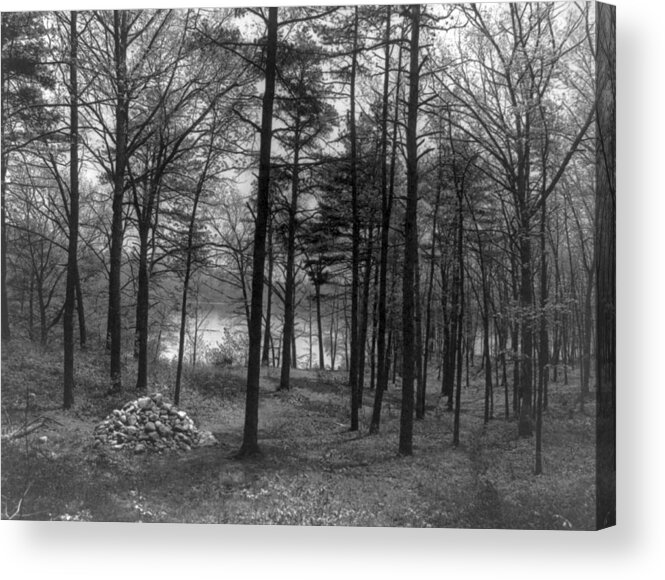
313 470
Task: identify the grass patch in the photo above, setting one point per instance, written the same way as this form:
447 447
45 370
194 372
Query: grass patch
313 470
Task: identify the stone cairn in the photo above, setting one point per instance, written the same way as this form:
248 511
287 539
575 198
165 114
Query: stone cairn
150 424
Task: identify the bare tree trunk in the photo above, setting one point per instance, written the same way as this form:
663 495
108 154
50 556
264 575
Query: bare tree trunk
418 324
250 445
586 340
410 243
188 273
514 343
420 406
386 208
372 350
43 330
525 428
80 307
294 354
543 361
459 283
183 328
289 286
121 33
605 248
265 357
449 333
503 343
195 342
485 315
311 334
355 251
334 332
486 342
142 312
319 327
364 324
73 214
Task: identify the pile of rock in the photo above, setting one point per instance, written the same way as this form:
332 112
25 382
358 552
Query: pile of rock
150 424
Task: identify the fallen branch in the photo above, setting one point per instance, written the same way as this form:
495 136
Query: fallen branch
6 515
29 427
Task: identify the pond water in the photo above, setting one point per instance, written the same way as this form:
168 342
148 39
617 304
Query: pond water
205 330
216 326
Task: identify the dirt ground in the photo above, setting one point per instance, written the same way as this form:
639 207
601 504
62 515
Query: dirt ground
312 471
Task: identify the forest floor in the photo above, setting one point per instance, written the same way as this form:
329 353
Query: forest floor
313 470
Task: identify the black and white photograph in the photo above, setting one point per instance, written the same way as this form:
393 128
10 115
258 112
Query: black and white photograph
305 265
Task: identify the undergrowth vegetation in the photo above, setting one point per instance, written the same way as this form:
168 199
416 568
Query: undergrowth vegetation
313 470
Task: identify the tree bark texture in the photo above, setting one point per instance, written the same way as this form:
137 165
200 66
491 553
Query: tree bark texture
605 247
121 33
386 208
288 356
250 445
354 382
72 267
410 244
265 356
188 273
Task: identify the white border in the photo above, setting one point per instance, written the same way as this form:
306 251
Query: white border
630 550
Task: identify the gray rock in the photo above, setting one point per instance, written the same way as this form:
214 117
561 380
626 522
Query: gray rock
144 402
150 424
